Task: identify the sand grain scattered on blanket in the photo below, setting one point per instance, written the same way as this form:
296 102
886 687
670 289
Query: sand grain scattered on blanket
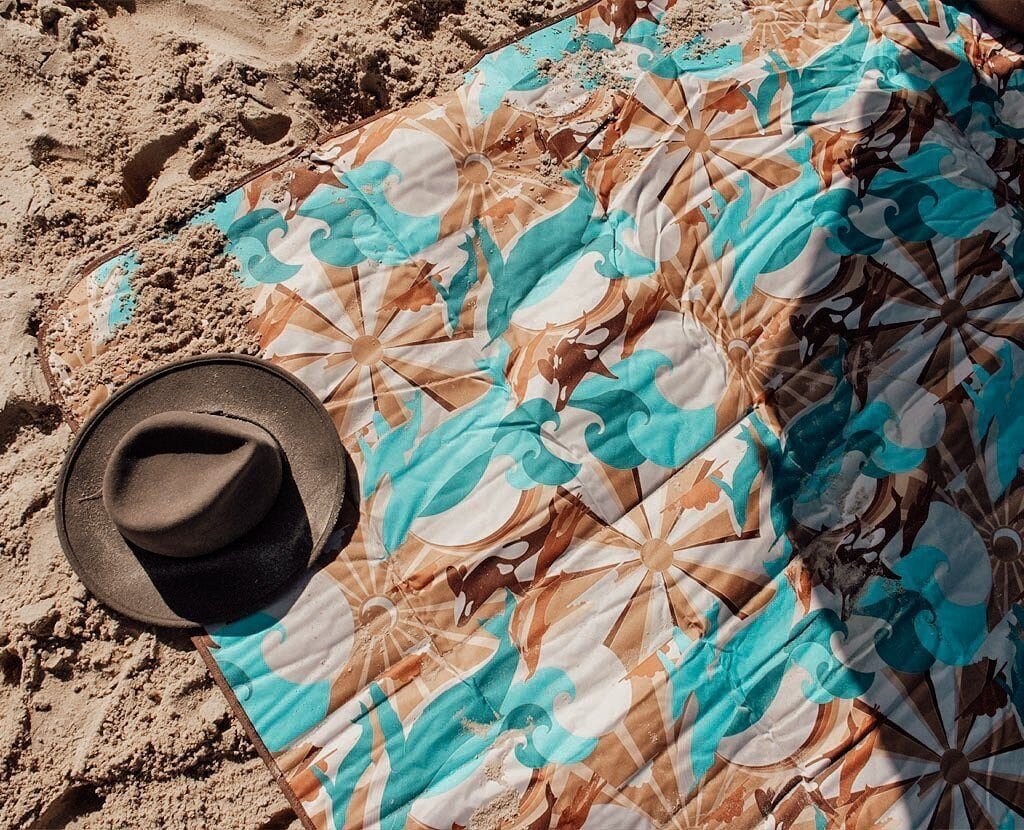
590 68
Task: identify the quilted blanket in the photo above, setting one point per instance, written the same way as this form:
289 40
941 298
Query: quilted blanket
684 382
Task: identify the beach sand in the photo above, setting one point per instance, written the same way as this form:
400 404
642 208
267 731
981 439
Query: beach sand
120 119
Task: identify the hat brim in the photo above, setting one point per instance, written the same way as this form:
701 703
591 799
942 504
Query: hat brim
242 577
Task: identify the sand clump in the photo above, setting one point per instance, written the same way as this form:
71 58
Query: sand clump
698 26
188 302
693 24
501 812
121 120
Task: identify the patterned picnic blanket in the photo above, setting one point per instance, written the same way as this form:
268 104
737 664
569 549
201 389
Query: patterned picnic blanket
685 387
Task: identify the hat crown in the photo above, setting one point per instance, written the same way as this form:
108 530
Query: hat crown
185 484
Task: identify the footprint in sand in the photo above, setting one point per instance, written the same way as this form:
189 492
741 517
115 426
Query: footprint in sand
230 28
151 160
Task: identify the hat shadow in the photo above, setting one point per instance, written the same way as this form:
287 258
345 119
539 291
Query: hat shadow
240 577
195 588
348 518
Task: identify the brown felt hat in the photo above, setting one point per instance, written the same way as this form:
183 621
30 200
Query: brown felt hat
200 490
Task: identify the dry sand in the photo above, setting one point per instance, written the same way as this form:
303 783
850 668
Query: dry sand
121 118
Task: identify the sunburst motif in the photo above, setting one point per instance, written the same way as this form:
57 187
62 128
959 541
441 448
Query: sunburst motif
398 632
498 163
699 135
664 563
371 344
1001 527
946 752
794 30
947 306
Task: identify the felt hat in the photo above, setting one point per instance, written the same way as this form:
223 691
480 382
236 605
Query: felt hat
200 490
